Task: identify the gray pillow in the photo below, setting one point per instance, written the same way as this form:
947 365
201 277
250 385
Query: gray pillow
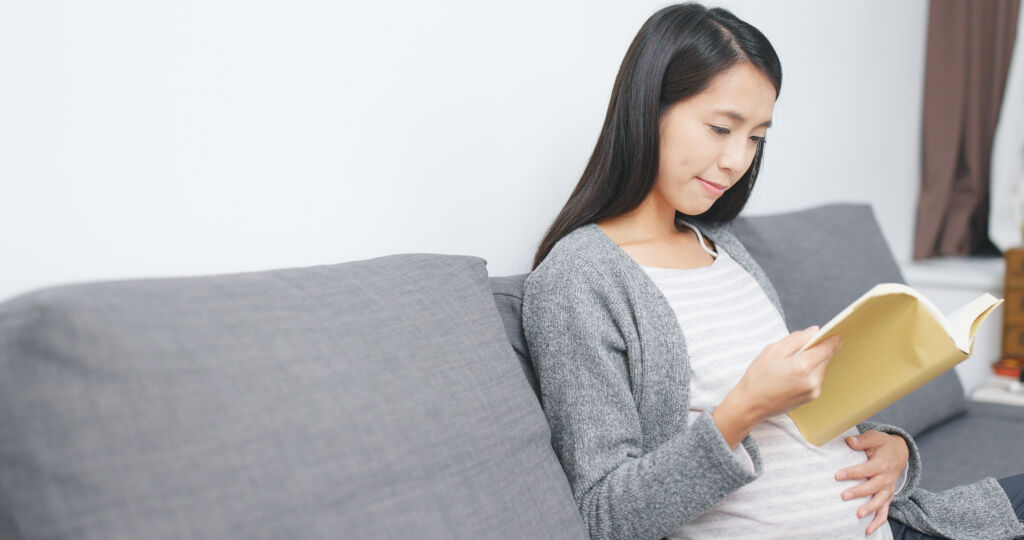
370 399
508 297
822 259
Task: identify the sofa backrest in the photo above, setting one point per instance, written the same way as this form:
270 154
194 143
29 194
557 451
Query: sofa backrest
369 399
819 260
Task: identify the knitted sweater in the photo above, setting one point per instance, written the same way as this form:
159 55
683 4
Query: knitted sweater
613 373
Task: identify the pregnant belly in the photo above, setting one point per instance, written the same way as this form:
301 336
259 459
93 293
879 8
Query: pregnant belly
797 493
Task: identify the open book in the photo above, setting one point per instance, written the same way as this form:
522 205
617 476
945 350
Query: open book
894 341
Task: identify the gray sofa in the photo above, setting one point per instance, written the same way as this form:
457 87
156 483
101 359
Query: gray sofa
384 398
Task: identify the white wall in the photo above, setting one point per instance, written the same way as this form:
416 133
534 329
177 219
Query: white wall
185 137
145 139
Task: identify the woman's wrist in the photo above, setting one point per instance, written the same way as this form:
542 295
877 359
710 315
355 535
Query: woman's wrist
735 418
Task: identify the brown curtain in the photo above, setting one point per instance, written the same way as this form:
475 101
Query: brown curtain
969 48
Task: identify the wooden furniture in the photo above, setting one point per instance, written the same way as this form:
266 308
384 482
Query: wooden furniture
1013 315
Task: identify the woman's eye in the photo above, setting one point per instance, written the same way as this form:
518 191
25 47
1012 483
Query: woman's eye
725 131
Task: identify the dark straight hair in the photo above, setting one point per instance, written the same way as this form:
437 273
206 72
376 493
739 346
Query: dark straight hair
674 56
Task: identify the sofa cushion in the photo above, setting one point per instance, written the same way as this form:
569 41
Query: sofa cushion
822 259
508 297
984 441
370 399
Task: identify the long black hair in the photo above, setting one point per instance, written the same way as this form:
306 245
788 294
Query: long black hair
674 56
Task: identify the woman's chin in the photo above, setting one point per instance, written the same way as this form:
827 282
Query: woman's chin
692 209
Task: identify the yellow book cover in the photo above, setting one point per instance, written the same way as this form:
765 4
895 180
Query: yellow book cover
894 341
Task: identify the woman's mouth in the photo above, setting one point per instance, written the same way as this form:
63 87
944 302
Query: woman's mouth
717 191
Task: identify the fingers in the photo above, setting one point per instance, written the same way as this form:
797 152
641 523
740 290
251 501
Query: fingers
869 469
881 498
793 342
823 354
817 356
826 349
868 439
867 488
817 360
880 517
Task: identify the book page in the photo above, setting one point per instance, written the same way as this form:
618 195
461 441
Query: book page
966 320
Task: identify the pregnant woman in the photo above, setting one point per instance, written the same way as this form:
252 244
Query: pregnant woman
664 363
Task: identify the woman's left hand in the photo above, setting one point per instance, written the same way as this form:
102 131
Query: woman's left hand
887 457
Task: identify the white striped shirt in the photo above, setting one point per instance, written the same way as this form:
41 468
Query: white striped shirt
727 320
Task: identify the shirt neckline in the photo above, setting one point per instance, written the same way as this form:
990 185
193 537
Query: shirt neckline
713 266
718 249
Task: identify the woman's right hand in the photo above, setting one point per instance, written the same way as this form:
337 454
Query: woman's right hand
780 379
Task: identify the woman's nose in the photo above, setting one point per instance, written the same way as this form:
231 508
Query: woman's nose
733 155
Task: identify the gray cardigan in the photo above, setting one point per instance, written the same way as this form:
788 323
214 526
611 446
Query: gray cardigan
614 381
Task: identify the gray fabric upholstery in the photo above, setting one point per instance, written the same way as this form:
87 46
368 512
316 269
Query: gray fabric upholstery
822 259
985 441
508 297
838 246
369 399
997 410
374 398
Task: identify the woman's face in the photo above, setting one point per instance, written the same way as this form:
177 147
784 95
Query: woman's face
712 137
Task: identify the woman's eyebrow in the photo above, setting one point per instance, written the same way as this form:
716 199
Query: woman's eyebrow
739 117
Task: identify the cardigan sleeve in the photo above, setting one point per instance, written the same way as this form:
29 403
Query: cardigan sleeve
913 469
576 325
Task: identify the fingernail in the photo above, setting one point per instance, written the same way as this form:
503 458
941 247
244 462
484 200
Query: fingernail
841 476
854 440
846 496
860 513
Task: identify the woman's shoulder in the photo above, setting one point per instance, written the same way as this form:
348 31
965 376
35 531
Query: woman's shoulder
582 242
579 257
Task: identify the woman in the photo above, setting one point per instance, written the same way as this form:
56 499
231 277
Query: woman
684 434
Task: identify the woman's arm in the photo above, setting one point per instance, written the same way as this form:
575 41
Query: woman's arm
574 326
